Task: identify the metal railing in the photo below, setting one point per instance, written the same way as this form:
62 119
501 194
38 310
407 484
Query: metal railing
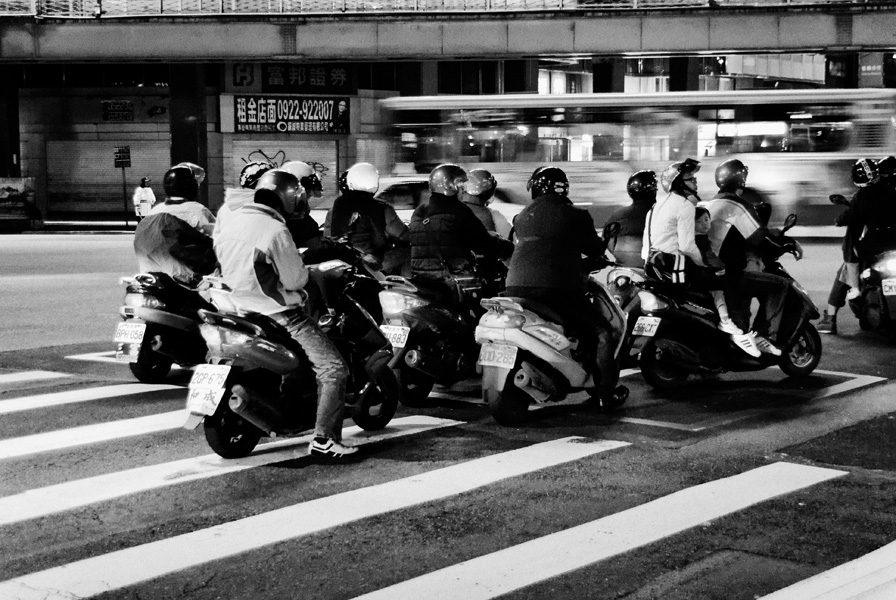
154 8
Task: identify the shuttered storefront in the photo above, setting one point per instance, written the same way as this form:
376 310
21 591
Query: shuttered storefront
81 175
324 153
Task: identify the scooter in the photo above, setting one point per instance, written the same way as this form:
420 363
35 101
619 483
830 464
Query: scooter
238 396
527 355
678 335
623 284
160 326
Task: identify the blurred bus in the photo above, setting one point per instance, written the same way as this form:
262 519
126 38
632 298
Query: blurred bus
798 144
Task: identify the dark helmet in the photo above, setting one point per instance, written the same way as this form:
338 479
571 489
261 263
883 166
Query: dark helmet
481 183
864 172
673 176
252 172
179 182
886 167
144 181
287 188
731 175
548 180
447 179
342 182
642 185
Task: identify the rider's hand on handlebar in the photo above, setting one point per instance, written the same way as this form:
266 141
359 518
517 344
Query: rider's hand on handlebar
797 250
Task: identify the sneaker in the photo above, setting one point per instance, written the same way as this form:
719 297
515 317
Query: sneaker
728 326
329 448
766 346
828 324
852 294
747 343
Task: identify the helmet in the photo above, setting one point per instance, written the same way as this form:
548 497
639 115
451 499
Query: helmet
144 181
865 172
306 175
363 177
287 188
672 177
548 180
731 175
886 167
446 179
480 183
251 172
197 171
342 182
642 186
180 183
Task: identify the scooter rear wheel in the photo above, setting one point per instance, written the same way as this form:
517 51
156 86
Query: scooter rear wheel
510 406
660 374
151 367
230 435
415 387
375 410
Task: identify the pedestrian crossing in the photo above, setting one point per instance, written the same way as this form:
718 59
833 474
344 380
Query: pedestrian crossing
493 574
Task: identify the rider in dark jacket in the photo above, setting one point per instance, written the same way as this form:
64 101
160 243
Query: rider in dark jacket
872 222
626 247
547 267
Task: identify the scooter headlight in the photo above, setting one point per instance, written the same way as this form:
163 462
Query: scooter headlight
394 303
651 303
144 300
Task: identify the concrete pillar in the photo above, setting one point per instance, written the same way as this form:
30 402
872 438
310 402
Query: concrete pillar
429 78
189 132
684 74
10 154
842 70
609 75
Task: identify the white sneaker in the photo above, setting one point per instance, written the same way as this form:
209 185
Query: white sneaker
852 294
747 343
728 326
329 448
766 346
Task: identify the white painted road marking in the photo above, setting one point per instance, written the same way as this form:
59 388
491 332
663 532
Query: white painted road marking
127 567
90 434
870 577
83 395
519 566
30 376
109 357
66 496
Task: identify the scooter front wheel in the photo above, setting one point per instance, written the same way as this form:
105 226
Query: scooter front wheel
151 367
230 435
800 359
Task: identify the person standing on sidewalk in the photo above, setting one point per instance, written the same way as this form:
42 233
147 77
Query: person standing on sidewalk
144 198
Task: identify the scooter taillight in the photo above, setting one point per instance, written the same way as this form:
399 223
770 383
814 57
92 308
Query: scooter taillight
394 303
216 337
651 303
502 320
144 300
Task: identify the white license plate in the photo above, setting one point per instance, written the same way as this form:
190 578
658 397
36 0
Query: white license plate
207 388
396 334
202 401
889 286
497 355
646 326
129 333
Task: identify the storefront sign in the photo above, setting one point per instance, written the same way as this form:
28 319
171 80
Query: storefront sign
118 110
309 79
290 114
122 156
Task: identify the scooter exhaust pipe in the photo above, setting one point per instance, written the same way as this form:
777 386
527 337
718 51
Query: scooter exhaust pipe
255 410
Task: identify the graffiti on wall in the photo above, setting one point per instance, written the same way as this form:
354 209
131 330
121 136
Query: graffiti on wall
258 161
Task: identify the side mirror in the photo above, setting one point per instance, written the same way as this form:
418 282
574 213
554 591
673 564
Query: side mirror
838 199
789 222
611 230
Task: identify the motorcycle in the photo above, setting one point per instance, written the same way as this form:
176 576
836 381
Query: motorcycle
528 356
677 336
238 396
160 326
623 284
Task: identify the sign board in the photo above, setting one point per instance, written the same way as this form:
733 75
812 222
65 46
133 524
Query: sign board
309 79
259 113
122 156
118 110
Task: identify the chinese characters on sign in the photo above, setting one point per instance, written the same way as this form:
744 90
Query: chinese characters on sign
308 79
118 110
290 114
122 156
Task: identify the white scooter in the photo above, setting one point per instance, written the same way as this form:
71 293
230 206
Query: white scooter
527 356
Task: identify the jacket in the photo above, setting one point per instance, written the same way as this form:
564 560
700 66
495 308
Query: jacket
168 244
670 229
872 221
190 211
377 228
260 261
627 245
445 229
552 235
729 208
234 199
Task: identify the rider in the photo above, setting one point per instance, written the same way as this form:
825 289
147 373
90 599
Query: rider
547 267
477 193
372 225
730 213
180 191
444 233
261 264
641 188
236 198
872 223
306 232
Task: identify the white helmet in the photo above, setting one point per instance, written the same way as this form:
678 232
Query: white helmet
363 177
306 175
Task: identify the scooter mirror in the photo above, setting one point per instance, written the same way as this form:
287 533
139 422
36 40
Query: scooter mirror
838 199
790 221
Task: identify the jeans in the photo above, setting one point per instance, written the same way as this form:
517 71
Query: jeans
771 290
328 366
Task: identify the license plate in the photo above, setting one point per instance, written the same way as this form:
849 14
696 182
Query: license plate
207 388
396 334
129 333
889 286
497 355
646 326
202 401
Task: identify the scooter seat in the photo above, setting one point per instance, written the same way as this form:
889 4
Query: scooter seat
251 323
542 310
680 292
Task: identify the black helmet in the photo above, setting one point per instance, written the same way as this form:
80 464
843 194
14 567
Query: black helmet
251 173
287 189
642 186
672 178
864 172
548 180
886 167
447 179
342 182
731 175
481 183
144 181
179 182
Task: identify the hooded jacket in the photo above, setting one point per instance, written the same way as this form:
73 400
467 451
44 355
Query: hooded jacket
377 227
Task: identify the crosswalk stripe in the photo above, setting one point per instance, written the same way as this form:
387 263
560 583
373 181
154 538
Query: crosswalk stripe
519 566
66 496
869 577
83 395
90 434
30 376
127 567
